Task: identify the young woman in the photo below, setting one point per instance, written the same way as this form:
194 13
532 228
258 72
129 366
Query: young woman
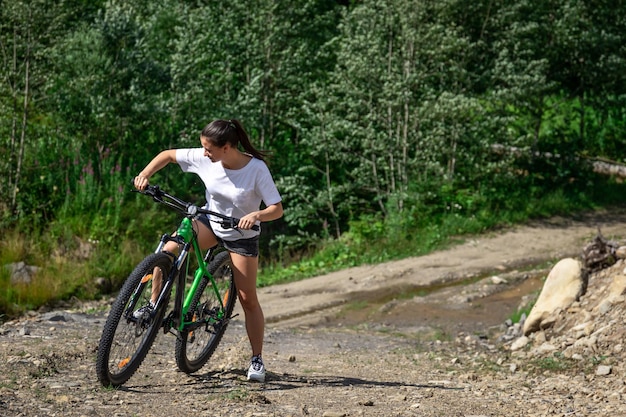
236 183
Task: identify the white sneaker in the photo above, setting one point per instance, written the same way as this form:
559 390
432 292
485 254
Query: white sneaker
144 311
256 371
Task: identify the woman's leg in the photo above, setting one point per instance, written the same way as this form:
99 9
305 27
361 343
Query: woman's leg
245 273
206 239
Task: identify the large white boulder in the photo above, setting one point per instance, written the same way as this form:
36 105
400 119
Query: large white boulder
564 285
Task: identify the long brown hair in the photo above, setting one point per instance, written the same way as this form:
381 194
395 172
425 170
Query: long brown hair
220 132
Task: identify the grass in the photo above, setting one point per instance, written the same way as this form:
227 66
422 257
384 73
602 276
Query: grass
555 363
525 311
10 385
371 240
238 394
558 363
62 273
357 305
74 251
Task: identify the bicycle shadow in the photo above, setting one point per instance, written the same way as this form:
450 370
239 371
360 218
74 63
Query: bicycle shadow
285 382
232 381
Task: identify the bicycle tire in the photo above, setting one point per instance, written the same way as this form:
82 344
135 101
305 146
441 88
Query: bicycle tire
195 347
125 341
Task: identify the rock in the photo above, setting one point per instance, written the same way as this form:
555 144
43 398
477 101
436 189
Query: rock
618 287
566 282
21 273
103 285
603 370
604 307
497 280
540 338
520 343
544 348
583 329
56 316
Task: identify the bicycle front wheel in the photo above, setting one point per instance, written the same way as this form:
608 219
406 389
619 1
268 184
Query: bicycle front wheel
195 347
132 325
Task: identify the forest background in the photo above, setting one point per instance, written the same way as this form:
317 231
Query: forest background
395 125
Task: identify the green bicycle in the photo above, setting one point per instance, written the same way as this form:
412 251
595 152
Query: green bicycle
201 310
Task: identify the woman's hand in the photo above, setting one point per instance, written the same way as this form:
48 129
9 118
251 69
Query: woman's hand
249 220
158 162
140 182
271 212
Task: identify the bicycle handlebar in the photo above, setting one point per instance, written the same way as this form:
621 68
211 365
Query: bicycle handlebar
176 203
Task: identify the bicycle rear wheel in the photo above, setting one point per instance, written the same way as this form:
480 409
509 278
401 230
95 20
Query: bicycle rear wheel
128 334
195 347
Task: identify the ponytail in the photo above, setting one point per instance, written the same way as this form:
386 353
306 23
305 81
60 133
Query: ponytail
220 132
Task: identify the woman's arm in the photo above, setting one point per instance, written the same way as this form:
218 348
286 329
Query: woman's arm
159 161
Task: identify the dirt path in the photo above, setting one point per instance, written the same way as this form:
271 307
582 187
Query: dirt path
397 339
539 244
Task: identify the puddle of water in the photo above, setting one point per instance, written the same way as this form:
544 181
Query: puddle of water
434 309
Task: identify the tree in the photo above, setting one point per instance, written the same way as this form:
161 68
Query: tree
27 30
110 82
399 70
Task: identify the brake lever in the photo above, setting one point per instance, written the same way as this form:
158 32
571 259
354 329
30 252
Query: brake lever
235 225
229 224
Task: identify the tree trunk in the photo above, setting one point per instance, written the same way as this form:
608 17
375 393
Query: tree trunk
20 150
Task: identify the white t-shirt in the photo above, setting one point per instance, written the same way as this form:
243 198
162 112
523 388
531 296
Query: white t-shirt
232 192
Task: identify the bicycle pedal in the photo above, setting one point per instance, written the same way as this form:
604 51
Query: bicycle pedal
230 318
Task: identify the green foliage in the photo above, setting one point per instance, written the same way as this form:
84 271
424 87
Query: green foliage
394 125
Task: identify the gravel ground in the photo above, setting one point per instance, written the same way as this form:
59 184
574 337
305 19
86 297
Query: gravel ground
48 369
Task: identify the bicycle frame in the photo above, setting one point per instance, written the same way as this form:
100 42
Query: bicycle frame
183 297
185 237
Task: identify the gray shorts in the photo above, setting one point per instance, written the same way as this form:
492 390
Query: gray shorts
243 247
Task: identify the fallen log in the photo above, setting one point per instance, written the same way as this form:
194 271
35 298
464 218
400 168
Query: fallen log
599 165
609 168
